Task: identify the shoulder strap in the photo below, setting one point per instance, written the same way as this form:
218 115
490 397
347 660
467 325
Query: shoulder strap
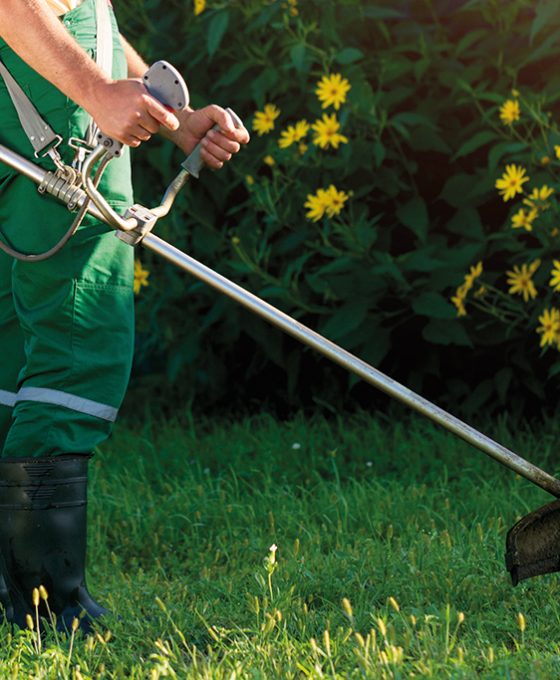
104 53
40 134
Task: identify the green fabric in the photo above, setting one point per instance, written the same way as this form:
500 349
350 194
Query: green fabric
66 323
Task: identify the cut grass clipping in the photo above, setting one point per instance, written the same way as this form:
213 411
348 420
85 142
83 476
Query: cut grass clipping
360 548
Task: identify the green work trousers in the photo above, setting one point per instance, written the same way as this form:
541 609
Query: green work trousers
67 323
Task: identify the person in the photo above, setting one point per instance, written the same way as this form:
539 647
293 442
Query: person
66 323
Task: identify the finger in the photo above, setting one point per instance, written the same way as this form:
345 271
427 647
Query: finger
215 151
149 123
162 115
129 140
139 132
222 141
226 123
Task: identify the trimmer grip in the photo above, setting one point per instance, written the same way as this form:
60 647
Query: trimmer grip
164 83
193 164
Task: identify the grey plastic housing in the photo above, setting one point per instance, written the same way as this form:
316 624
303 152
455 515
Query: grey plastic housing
166 84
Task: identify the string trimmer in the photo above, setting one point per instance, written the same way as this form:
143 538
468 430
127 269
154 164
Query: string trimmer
532 545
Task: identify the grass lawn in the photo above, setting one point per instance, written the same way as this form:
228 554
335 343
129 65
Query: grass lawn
389 563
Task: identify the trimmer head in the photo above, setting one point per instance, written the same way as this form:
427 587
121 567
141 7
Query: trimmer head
533 544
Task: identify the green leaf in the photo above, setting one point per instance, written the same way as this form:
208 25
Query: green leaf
504 148
414 215
554 370
458 190
382 13
446 333
475 142
502 380
345 319
378 153
378 345
544 13
232 74
349 55
216 31
411 118
434 306
469 39
466 222
297 55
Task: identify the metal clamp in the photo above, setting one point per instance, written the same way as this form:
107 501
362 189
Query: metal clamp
145 222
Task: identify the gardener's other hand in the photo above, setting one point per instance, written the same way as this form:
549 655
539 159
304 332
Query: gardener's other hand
124 110
217 146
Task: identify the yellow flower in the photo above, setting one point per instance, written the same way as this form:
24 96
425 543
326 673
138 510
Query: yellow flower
524 219
199 6
325 202
474 273
302 128
462 292
554 282
317 205
327 132
521 622
521 282
510 112
545 160
557 151
549 330
250 180
541 195
287 137
293 133
268 160
302 148
140 276
337 199
332 90
292 7
511 182
263 121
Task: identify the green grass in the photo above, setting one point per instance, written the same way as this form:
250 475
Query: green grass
390 540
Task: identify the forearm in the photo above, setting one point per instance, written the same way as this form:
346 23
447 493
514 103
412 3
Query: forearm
49 49
136 65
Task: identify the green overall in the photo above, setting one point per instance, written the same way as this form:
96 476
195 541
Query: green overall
67 323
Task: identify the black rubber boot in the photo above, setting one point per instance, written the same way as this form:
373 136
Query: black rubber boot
43 516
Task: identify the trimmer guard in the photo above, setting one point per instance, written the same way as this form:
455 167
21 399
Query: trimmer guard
533 544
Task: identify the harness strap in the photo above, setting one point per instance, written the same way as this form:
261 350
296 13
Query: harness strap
39 133
104 54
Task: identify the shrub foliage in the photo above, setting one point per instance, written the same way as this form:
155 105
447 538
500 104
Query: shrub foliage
357 209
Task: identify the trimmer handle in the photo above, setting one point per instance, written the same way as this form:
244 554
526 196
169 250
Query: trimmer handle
166 84
193 164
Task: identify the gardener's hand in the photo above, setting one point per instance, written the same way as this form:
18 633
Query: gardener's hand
217 146
125 111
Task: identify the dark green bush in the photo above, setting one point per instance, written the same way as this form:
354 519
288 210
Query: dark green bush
419 169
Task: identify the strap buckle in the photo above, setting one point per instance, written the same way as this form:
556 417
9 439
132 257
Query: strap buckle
81 149
48 149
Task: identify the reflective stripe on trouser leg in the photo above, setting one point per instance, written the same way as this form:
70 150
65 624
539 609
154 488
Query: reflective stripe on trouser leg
76 309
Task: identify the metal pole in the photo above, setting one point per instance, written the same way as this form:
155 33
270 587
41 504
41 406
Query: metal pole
354 364
319 343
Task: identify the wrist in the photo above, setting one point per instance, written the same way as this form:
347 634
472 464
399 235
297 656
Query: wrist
94 96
